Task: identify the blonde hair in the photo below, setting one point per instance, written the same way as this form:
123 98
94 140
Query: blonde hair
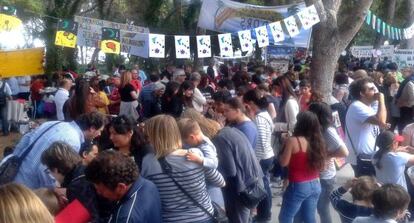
164 134
49 199
126 78
19 204
209 127
188 126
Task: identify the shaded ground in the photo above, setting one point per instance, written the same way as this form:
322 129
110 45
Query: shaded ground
10 140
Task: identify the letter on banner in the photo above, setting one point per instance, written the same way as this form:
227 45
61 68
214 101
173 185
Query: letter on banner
203 46
262 36
66 33
277 31
182 47
226 46
245 38
156 45
111 40
308 17
291 26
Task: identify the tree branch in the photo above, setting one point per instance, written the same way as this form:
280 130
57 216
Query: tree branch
89 10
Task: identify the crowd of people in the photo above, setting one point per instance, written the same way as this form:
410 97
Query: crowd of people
184 145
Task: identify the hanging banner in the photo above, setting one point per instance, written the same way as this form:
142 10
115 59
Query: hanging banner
404 57
110 41
309 17
66 33
262 36
245 38
203 46
134 39
156 45
12 66
8 19
291 26
368 51
226 45
277 31
230 16
182 47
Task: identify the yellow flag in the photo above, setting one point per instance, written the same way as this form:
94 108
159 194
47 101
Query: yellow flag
110 41
66 34
22 62
9 23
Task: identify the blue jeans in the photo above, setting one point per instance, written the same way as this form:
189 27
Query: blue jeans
327 186
301 198
4 121
264 208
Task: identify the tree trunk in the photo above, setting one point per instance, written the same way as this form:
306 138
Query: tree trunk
331 36
408 44
389 13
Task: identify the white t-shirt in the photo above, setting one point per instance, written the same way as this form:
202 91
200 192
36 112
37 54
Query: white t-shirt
61 96
362 133
6 88
24 80
333 143
392 168
372 219
14 85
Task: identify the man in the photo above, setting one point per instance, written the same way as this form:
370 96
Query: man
24 87
151 106
198 98
405 99
141 74
363 123
167 74
116 177
14 86
179 76
5 95
62 95
31 172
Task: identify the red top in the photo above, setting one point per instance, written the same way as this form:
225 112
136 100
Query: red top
299 170
136 84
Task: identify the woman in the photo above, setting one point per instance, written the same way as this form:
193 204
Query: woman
98 87
305 92
304 154
205 86
257 105
336 148
84 100
128 139
390 160
199 101
186 94
129 97
170 102
234 113
19 204
169 163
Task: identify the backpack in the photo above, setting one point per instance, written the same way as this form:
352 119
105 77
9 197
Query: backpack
3 95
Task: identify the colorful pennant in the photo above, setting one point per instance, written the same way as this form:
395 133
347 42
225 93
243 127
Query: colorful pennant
262 36
277 31
156 45
182 47
203 46
291 26
111 40
66 34
308 17
226 46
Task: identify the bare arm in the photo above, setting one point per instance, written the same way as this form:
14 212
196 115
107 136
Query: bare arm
380 118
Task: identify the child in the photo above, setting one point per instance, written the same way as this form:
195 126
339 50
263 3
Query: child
390 204
192 136
88 151
362 189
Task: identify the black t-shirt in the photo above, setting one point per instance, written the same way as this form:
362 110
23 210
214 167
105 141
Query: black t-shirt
125 93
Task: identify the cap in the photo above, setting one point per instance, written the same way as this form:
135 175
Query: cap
399 138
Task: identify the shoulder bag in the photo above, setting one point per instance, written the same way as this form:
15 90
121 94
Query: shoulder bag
219 215
10 167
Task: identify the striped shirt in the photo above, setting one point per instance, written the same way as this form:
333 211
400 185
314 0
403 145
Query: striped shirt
264 125
177 206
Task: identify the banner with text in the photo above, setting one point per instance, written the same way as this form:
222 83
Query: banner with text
134 39
369 51
404 57
229 16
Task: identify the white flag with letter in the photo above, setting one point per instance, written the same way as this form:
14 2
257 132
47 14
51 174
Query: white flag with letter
262 36
156 45
182 47
226 46
291 26
245 38
277 31
203 46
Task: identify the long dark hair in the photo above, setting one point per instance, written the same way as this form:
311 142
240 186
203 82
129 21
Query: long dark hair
287 90
384 142
186 85
324 114
256 97
76 105
170 90
308 126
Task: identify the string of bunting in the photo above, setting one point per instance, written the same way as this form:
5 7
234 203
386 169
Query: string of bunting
110 39
387 30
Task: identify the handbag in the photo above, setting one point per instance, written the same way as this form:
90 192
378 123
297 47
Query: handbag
10 167
253 194
219 215
364 161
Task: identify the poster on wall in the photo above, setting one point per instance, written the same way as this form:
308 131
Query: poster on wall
404 57
229 16
369 51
